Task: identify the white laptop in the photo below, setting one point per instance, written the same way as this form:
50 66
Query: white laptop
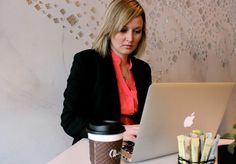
172 109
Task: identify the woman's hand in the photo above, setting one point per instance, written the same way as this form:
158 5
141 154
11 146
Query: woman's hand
130 133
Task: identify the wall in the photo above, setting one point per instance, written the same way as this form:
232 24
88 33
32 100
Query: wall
188 40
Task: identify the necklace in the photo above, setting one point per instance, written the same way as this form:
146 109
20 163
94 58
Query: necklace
124 66
125 73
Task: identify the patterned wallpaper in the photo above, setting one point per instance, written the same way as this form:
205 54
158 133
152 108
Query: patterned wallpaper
188 40
80 19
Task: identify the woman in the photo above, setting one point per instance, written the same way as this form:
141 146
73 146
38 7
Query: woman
108 81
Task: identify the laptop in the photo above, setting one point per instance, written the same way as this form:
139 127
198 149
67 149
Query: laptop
172 109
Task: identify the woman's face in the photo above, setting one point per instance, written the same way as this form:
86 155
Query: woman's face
127 39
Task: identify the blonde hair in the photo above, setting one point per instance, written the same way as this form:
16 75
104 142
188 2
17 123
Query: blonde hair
118 14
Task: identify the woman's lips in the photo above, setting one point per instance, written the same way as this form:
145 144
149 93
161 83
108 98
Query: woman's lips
127 46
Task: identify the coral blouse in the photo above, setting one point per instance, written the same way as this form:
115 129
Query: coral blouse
127 91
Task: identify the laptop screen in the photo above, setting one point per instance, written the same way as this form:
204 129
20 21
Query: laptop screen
178 108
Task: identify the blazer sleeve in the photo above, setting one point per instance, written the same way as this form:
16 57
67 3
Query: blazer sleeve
143 79
74 117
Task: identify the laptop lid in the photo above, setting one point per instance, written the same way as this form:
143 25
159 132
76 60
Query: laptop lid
169 105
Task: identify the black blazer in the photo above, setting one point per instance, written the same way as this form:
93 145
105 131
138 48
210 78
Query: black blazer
92 91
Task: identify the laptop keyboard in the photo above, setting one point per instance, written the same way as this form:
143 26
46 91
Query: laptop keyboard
128 146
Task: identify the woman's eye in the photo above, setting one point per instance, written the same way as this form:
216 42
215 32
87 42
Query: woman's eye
138 31
123 30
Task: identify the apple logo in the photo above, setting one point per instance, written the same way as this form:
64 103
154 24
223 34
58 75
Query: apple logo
188 121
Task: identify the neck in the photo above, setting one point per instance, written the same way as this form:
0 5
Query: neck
125 69
124 58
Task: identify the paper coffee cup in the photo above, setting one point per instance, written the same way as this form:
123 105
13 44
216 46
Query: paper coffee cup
105 141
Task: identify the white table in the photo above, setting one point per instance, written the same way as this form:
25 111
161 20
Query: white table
79 153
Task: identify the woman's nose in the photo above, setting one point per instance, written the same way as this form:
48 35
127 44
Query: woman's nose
129 36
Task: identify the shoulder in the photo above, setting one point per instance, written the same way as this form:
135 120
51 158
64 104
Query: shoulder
88 56
88 53
140 63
